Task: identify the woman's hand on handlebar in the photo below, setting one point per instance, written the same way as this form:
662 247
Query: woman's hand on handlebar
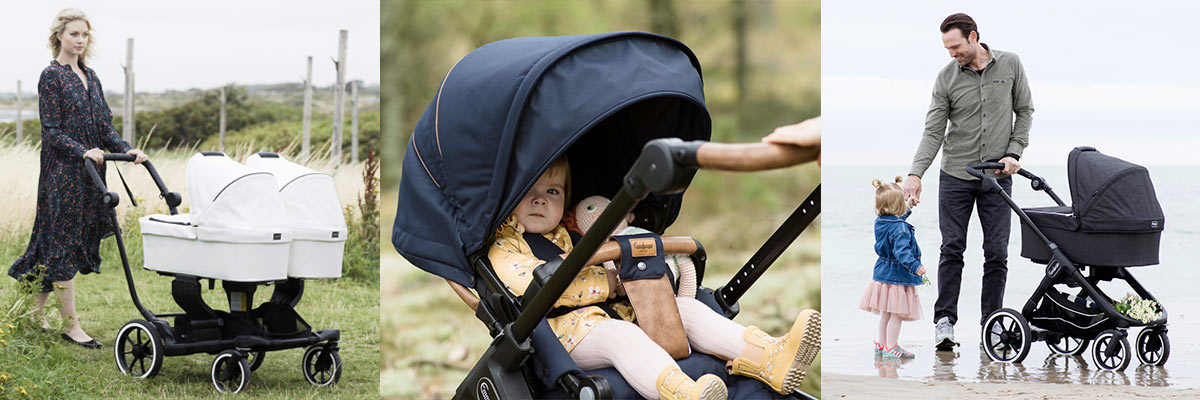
96 155
805 134
138 156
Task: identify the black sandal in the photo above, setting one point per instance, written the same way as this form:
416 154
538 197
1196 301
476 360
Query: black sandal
91 344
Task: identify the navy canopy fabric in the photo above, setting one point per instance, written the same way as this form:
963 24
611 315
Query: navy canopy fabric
510 108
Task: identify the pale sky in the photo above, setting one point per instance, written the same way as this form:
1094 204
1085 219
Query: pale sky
1110 74
199 44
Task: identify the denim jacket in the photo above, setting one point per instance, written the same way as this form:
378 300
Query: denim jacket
899 256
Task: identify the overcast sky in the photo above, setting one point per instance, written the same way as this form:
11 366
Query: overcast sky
199 44
1111 74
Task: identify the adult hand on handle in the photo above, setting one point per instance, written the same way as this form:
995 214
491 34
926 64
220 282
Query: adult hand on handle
96 155
912 190
138 156
1011 166
805 134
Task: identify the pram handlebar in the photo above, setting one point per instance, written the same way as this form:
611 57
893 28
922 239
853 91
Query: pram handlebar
111 199
1036 182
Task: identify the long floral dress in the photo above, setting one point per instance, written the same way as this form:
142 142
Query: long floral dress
70 220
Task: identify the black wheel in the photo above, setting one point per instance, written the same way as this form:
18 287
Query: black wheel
321 367
1068 346
139 349
255 358
1153 348
1112 351
1006 336
230 372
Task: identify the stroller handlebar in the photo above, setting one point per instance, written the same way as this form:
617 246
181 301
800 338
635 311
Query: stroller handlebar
976 169
111 199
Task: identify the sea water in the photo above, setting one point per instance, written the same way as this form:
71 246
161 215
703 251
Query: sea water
848 258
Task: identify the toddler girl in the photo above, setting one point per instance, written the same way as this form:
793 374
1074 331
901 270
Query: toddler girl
595 340
892 293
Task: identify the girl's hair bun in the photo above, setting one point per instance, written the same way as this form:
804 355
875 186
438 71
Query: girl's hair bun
899 179
876 183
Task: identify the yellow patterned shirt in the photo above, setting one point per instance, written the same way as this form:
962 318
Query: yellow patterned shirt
514 262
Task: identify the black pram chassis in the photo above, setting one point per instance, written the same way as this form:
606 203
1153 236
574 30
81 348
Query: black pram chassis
237 338
1008 334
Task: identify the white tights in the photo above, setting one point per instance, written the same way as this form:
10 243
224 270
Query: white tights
621 344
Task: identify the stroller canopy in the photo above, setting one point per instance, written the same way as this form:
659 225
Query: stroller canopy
309 197
507 110
228 198
1111 195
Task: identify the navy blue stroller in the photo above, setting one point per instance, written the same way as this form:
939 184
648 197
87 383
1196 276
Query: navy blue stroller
628 111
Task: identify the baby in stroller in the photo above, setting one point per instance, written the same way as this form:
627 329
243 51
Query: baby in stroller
595 339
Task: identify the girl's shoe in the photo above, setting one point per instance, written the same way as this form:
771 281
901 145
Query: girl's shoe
673 384
878 348
897 352
781 362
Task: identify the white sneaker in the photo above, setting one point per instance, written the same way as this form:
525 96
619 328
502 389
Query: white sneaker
944 334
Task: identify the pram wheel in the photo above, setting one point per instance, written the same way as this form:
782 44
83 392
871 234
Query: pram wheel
230 372
1153 348
139 343
1006 336
1068 346
255 359
1111 352
321 367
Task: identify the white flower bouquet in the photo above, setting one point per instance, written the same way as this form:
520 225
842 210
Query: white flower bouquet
1137 308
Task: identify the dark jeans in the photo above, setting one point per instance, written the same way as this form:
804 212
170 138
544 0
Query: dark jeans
955 199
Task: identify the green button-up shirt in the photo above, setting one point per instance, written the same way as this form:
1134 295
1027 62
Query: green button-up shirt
989 112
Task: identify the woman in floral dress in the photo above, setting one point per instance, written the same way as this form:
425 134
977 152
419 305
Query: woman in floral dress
76 124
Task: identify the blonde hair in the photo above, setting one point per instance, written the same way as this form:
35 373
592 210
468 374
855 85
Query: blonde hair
561 166
889 198
60 24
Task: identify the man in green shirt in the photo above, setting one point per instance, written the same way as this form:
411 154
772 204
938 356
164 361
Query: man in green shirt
984 96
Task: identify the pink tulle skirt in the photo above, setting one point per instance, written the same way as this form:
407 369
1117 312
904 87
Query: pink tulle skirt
901 300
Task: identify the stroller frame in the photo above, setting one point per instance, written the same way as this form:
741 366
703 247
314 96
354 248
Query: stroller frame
1007 334
663 167
199 328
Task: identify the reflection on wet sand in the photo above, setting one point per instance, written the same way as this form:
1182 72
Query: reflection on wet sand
1054 369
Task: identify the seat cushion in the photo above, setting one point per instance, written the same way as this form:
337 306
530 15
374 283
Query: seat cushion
176 226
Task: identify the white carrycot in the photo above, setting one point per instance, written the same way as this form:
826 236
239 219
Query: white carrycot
236 230
313 213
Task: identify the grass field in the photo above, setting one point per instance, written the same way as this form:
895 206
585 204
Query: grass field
433 338
41 365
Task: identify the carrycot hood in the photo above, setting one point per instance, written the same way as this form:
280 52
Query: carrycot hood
226 196
507 110
1112 195
308 195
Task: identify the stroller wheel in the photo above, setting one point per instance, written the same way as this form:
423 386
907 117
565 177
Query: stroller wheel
1068 346
321 367
255 359
1111 351
1006 336
230 372
139 349
1153 348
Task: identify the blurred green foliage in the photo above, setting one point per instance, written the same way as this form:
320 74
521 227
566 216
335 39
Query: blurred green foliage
767 76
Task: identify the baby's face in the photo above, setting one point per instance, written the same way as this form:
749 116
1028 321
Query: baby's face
542 208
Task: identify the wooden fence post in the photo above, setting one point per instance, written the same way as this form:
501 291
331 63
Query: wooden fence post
339 98
307 127
222 131
354 122
127 124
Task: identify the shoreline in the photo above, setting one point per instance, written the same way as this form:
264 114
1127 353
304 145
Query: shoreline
849 387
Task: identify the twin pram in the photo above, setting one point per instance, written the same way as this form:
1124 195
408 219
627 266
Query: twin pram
268 222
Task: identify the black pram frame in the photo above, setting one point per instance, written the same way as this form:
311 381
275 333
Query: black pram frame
237 338
1068 325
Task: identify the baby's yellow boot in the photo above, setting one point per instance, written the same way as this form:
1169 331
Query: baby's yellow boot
673 384
781 362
